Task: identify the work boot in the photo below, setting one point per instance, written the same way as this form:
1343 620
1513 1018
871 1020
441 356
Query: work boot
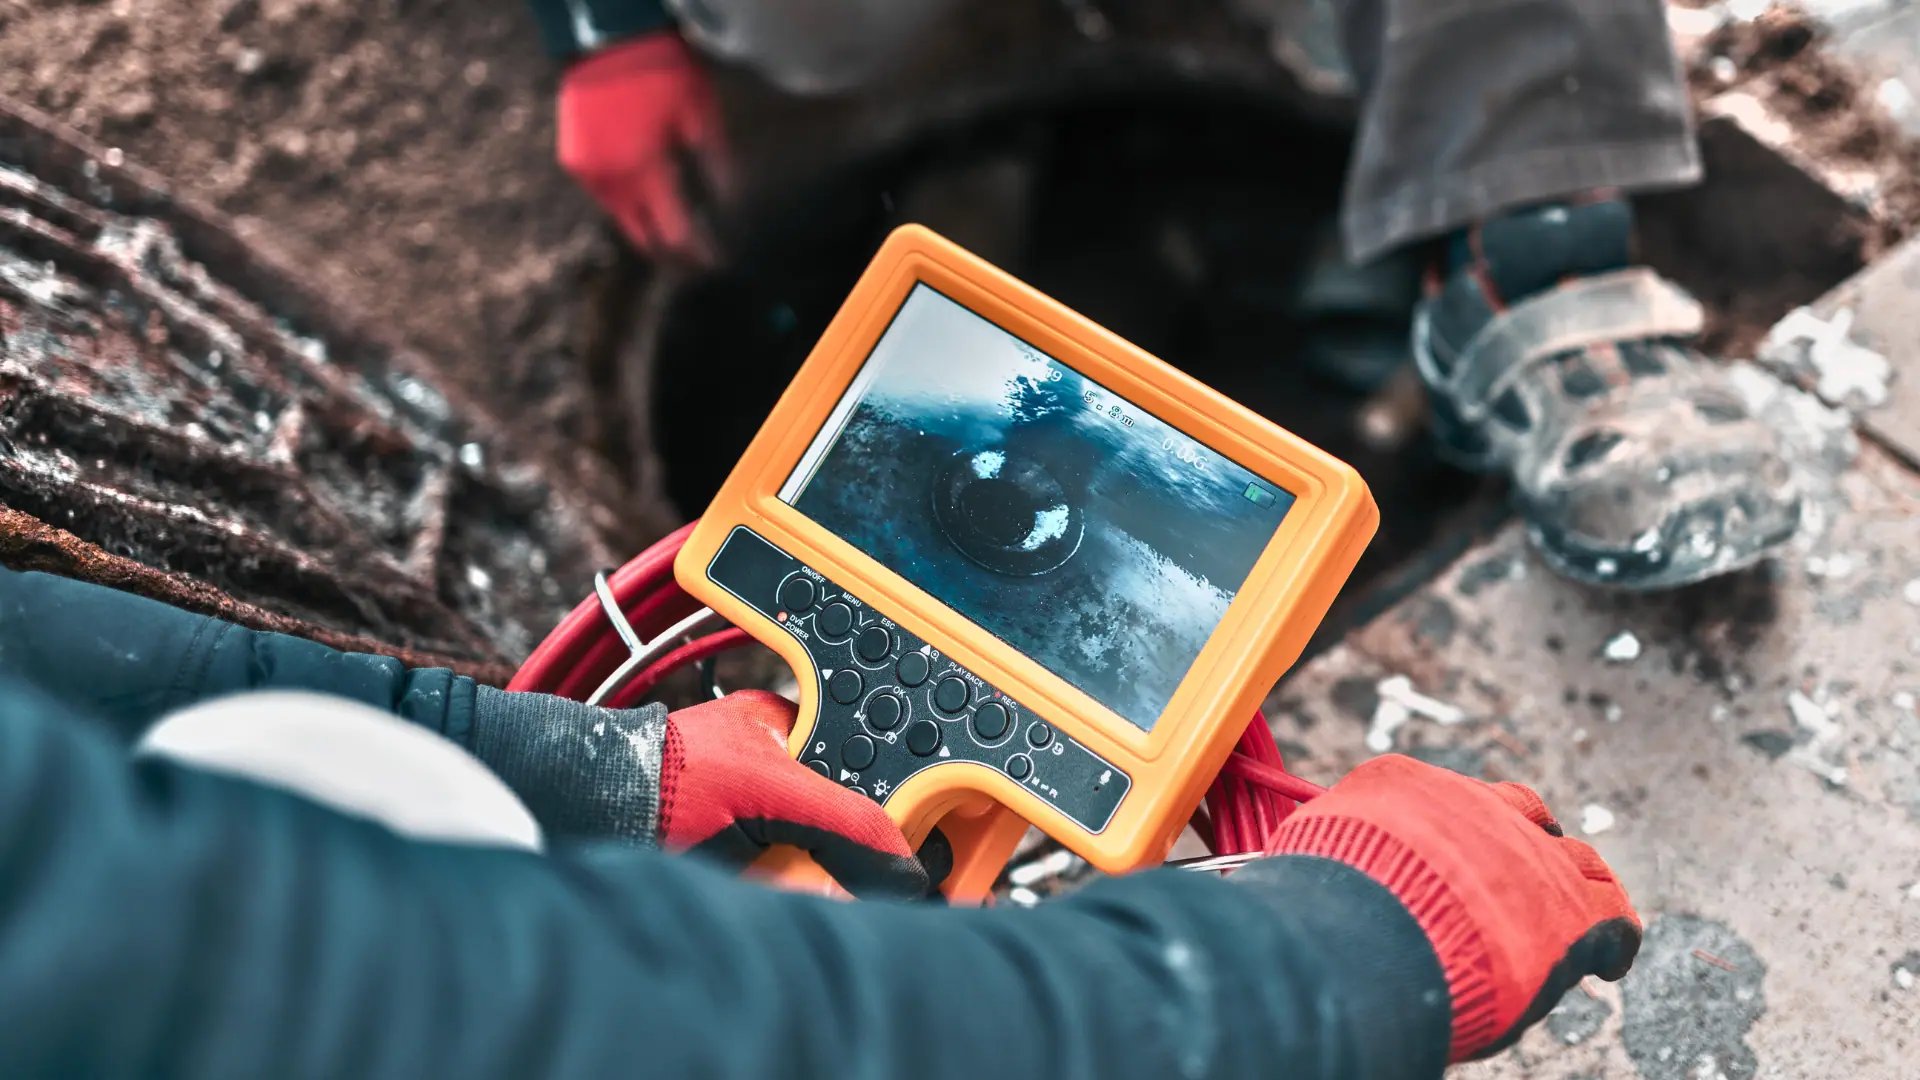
1550 355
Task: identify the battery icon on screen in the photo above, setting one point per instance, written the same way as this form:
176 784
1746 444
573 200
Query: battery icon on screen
1258 495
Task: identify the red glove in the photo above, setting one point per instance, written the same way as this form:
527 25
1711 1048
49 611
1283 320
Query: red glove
631 119
1516 912
728 787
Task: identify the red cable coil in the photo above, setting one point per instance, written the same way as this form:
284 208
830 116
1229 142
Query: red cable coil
1248 800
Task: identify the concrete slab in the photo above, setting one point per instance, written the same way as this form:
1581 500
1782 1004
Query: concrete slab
1745 752
1876 310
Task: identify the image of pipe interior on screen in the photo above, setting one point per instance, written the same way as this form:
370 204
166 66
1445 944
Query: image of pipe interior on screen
1059 517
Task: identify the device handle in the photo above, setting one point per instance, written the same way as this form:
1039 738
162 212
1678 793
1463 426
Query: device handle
787 867
982 838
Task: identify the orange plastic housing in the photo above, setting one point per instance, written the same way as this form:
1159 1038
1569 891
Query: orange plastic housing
1265 627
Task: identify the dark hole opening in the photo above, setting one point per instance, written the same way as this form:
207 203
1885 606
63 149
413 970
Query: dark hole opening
1001 512
1181 224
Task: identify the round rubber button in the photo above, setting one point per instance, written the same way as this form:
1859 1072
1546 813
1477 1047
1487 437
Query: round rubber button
923 737
798 593
913 669
1039 736
885 711
874 644
820 767
991 721
835 620
857 752
845 685
951 694
1019 766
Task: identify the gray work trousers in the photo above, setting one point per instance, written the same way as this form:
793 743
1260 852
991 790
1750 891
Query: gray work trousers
1468 107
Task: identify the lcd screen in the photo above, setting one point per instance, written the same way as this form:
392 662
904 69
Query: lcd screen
1052 513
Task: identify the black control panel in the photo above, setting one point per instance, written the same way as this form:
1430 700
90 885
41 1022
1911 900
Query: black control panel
891 705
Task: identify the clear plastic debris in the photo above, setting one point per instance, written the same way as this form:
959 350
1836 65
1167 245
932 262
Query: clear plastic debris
1892 95
1832 567
1621 648
1053 864
1399 704
1810 716
1824 751
1843 371
1595 819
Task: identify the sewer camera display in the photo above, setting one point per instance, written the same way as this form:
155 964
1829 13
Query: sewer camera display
1051 512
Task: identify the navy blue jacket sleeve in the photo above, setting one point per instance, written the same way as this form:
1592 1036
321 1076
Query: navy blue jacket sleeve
129 660
157 921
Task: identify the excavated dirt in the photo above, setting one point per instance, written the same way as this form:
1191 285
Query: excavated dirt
398 149
1777 56
182 416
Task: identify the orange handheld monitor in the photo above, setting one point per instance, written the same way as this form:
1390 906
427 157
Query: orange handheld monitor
1025 571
